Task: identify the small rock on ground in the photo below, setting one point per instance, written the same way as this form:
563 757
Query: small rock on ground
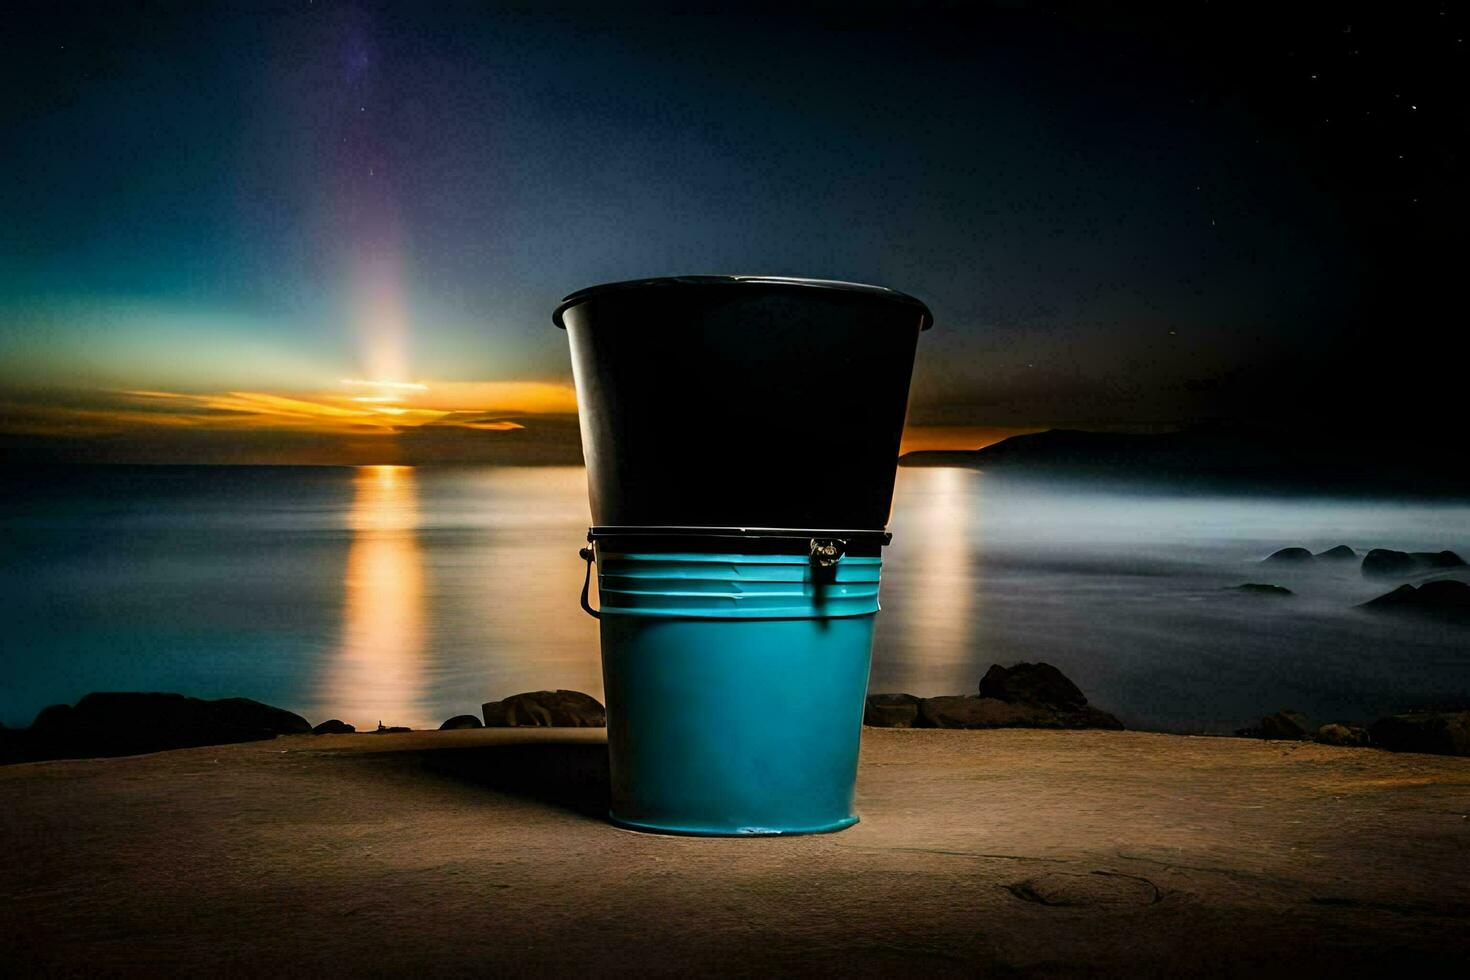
891 711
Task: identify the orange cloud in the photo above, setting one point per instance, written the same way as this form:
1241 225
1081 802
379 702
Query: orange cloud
501 426
394 409
510 397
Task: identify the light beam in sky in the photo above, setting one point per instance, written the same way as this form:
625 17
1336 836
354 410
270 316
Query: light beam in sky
380 316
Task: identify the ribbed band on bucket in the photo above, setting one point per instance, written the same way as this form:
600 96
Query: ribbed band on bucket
735 586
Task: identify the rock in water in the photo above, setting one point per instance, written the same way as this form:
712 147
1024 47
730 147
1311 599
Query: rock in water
1286 724
1341 553
1384 563
129 723
1381 563
1038 684
1263 588
334 726
1442 598
1437 733
891 711
461 721
1291 556
546 709
1345 735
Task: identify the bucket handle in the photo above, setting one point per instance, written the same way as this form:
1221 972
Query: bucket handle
586 555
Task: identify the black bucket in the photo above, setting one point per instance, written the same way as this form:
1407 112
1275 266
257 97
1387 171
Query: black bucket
742 401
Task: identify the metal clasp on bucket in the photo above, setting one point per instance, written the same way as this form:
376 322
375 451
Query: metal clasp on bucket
827 552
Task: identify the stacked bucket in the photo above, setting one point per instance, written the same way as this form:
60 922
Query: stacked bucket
741 435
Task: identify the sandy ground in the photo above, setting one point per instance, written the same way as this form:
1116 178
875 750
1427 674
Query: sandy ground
979 852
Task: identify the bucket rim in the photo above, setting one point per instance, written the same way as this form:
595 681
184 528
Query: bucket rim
602 531
758 540
926 318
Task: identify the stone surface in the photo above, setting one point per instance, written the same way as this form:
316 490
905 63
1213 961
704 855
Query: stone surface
460 721
1436 733
334 726
891 711
465 852
1291 556
1032 684
1106 888
1340 553
1385 563
546 709
130 723
1339 734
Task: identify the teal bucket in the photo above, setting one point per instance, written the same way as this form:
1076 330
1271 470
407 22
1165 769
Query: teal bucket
735 668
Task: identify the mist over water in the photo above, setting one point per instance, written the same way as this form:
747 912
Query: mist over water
407 596
1132 596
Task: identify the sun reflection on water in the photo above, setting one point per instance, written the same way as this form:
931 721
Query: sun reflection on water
378 667
931 585
944 588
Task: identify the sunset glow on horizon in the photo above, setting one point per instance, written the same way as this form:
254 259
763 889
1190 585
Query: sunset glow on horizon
349 410
450 403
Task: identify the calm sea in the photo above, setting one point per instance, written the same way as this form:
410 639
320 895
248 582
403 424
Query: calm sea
408 595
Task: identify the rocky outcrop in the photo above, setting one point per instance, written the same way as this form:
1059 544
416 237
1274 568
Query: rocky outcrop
132 723
546 709
1437 733
334 726
1440 599
1340 553
891 711
460 721
1384 563
1291 556
1023 696
1264 589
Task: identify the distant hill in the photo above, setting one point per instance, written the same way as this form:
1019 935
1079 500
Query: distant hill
1221 457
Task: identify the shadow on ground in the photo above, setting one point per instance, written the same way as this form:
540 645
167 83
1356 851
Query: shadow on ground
568 775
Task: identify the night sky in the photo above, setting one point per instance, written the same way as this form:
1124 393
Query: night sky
212 221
